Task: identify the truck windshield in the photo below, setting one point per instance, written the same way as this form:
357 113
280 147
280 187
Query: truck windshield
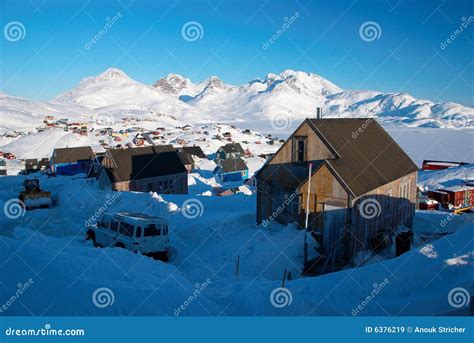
151 230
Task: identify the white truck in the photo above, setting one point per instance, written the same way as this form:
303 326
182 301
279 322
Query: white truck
136 232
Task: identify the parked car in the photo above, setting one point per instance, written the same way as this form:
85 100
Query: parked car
136 232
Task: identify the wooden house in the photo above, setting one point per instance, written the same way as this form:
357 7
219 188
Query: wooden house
187 161
457 196
146 169
189 154
230 151
71 161
231 170
359 187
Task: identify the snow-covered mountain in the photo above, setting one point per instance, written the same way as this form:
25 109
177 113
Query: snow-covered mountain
289 96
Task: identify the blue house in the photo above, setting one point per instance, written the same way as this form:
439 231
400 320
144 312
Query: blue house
232 170
71 161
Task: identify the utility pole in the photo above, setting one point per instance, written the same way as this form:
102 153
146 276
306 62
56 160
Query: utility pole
305 247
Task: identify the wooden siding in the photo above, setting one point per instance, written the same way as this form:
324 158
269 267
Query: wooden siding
394 210
315 148
169 184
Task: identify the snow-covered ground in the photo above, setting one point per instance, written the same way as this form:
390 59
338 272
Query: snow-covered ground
48 247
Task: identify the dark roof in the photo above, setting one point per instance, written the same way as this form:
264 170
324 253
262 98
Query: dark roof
65 155
233 165
193 150
144 162
185 158
31 163
233 147
367 157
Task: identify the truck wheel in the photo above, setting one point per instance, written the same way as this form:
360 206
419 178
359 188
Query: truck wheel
162 256
91 236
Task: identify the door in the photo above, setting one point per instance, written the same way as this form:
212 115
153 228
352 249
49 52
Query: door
265 207
102 231
334 220
112 233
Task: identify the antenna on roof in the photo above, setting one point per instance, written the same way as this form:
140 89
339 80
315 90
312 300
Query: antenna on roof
319 112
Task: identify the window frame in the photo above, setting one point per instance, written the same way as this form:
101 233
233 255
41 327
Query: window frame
297 140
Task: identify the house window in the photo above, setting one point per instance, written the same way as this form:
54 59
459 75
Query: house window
299 149
404 190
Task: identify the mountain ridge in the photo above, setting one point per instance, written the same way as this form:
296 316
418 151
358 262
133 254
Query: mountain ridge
291 95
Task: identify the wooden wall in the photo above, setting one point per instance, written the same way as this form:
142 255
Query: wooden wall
177 184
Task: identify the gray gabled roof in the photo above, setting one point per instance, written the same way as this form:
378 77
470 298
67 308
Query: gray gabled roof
194 151
233 165
233 147
366 160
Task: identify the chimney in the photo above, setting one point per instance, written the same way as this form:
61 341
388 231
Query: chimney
319 113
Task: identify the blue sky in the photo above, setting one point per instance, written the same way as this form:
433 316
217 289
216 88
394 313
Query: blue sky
147 43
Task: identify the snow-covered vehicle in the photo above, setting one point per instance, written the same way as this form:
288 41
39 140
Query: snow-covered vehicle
33 196
136 232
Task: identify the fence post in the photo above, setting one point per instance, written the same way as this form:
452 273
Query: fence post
237 267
